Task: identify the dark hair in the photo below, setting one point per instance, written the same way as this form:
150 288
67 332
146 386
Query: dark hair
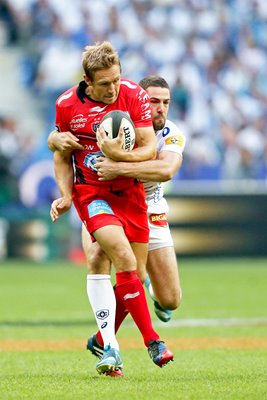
153 80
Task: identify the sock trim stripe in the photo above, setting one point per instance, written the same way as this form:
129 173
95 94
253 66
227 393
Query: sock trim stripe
131 295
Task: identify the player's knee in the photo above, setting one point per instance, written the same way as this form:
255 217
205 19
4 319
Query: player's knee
173 301
178 299
123 258
97 262
172 304
142 273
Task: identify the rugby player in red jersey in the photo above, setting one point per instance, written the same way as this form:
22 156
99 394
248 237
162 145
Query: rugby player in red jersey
114 212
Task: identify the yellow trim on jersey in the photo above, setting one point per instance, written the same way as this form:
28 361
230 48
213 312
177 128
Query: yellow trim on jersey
177 140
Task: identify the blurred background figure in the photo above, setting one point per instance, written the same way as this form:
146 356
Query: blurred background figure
9 154
215 60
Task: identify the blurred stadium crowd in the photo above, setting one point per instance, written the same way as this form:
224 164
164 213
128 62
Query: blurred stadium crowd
213 54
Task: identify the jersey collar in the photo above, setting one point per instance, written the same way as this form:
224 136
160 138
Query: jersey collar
81 93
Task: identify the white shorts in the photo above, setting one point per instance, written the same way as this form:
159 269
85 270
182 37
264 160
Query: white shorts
160 234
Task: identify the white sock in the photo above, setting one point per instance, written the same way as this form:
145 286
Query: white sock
151 291
103 302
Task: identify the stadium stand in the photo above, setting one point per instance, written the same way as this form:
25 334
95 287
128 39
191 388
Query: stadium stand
213 54
216 67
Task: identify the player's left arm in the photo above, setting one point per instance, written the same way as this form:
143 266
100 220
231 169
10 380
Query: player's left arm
160 170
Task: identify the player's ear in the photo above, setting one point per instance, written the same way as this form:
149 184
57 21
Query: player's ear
87 80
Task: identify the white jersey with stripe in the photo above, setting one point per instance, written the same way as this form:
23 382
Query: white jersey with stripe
170 138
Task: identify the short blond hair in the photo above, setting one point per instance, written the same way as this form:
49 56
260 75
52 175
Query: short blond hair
97 57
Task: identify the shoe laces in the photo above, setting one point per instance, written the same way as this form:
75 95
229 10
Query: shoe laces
154 347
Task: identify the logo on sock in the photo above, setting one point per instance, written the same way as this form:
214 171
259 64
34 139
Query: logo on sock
102 314
104 325
131 295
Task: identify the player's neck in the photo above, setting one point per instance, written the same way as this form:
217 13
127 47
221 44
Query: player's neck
89 94
88 91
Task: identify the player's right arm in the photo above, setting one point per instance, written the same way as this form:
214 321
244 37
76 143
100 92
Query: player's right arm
63 141
112 148
140 113
64 177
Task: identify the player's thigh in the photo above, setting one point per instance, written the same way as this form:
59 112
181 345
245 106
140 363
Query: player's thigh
140 252
163 271
115 244
96 259
86 243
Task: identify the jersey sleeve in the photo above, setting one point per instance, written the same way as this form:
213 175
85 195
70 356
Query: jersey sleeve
172 139
63 106
60 122
139 106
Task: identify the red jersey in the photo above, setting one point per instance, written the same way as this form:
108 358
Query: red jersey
79 114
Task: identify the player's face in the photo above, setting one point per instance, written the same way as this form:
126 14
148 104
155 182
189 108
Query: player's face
105 86
159 103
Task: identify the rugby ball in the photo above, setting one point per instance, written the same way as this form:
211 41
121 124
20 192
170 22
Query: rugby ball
113 121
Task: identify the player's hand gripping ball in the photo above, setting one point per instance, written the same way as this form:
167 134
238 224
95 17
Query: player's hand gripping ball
113 121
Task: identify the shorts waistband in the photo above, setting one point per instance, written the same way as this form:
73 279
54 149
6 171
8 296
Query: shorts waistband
115 186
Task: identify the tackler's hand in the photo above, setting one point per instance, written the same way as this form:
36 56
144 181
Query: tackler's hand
106 169
64 142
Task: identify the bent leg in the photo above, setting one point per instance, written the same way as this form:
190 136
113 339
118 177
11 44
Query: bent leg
164 276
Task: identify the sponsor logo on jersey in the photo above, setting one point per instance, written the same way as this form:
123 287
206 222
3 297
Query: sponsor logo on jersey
90 147
146 115
98 207
166 130
178 140
91 159
78 122
158 219
95 126
145 106
98 109
142 96
102 314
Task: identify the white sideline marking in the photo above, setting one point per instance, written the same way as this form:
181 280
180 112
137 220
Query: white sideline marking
206 322
218 322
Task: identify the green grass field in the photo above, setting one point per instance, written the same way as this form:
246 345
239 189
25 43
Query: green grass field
218 336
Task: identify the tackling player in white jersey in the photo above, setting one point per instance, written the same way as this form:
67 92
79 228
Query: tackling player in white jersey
161 264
